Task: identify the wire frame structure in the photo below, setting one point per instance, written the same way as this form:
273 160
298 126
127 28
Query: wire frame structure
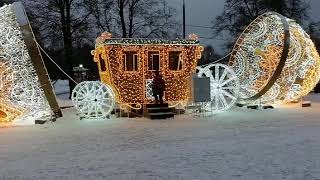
149 93
127 65
224 86
22 100
275 60
8 112
93 99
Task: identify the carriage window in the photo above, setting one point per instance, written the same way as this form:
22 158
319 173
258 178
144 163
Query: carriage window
102 64
130 61
175 60
153 61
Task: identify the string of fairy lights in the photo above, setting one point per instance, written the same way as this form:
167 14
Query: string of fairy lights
21 99
258 53
274 61
130 86
8 112
224 87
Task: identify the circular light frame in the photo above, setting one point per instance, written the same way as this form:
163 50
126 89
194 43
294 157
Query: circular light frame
275 60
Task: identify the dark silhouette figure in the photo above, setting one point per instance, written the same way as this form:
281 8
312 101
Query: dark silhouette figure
158 87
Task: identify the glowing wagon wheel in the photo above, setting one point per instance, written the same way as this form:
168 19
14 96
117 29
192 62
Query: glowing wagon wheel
224 86
93 99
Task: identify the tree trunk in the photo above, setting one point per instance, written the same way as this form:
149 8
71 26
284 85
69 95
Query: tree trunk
121 14
131 15
65 8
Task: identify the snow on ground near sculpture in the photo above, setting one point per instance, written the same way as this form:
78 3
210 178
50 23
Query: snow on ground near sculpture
283 143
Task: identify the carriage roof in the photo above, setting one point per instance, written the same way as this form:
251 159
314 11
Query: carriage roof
133 41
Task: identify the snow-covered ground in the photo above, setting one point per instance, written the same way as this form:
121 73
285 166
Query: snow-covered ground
283 143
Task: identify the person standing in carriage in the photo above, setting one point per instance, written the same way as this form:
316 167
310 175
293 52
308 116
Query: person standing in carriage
158 87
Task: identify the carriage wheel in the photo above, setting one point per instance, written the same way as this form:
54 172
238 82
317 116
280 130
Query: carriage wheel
93 99
224 86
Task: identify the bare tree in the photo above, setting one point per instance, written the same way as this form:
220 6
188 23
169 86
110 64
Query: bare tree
134 18
61 24
238 14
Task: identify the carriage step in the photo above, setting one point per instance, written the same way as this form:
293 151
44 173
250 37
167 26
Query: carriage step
157 105
161 115
160 109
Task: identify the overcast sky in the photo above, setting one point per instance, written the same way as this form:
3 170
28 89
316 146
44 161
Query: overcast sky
202 12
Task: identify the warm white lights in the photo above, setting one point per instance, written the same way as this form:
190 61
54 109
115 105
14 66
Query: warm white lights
275 60
93 99
224 86
23 100
132 84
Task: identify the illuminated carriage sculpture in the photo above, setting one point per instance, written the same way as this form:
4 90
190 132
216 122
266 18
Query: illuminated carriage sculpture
127 66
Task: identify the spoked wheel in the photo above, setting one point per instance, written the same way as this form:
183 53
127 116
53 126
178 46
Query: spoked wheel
93 99
224 87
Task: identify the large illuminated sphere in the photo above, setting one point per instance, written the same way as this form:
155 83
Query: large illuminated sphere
275 60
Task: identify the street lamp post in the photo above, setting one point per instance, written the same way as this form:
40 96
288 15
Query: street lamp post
184 19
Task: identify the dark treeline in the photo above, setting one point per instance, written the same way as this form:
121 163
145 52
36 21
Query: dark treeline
67 28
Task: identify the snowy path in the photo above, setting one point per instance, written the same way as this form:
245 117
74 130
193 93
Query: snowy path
283 143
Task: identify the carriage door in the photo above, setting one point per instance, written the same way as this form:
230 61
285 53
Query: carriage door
153 65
